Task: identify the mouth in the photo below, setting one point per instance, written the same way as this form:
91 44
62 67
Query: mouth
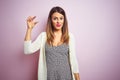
58 25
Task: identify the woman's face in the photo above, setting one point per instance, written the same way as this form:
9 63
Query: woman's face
57 21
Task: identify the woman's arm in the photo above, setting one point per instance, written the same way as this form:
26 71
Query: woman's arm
28 35
30 25
77 77
74 61
29 46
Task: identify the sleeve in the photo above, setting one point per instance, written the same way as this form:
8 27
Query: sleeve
31 47
74 61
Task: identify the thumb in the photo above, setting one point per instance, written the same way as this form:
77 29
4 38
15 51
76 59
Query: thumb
35 23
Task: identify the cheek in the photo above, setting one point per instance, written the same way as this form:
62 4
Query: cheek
62 22
53 23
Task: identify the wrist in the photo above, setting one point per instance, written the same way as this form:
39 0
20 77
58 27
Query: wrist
29 29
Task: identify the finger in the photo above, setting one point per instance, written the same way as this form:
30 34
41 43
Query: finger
33 17
35 23
29 18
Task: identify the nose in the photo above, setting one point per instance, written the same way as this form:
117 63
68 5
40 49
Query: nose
58 20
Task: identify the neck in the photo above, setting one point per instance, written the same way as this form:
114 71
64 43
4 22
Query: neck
58 32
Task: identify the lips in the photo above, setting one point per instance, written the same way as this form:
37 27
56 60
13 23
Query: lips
58 25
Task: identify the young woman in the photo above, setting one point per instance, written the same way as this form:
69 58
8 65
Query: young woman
57 60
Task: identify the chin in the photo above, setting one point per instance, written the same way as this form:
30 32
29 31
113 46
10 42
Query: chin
58 28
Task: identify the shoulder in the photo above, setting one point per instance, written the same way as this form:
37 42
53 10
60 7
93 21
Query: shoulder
71 35
42 34
71 38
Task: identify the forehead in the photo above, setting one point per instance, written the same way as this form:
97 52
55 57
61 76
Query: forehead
56 14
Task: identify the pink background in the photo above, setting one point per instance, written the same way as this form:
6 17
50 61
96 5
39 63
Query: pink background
95 24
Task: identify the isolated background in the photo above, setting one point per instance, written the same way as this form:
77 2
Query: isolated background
94 23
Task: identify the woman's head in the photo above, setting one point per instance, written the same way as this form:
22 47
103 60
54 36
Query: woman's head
57 21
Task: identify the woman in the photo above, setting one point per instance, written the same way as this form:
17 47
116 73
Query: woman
57 59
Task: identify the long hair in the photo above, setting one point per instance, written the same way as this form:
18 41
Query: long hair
50 28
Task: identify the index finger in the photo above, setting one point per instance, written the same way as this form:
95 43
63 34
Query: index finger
33 17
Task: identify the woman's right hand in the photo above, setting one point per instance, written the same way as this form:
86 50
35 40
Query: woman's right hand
30 22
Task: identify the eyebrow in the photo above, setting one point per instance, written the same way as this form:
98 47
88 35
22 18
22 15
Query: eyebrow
60 16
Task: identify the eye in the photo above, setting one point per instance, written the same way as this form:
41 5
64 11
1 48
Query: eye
54 18
61 18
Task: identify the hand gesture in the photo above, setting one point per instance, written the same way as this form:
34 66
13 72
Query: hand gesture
30 22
